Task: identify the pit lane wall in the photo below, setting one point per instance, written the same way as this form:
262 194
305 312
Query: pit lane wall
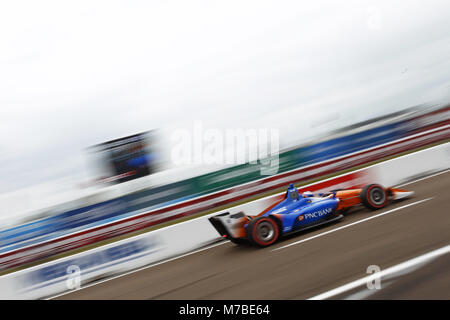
19 255
76 271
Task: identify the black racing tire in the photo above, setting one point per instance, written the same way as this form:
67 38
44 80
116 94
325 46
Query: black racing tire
374 197
263 231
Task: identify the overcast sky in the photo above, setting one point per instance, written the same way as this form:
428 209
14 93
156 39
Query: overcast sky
77 73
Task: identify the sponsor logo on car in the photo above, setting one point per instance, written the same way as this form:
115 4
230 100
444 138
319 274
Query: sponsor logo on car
318 213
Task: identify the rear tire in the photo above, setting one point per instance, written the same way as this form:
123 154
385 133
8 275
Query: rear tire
374 197
263 231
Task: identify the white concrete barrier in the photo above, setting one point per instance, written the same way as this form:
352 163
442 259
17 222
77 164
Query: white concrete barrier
424 162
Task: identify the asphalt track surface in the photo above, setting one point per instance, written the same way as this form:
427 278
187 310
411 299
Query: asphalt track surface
307 264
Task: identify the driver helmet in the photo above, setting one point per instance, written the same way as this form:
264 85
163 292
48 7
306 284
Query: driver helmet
293 192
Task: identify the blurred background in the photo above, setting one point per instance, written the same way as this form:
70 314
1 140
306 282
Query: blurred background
93 92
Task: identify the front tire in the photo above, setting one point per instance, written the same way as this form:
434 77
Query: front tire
263 231
374 197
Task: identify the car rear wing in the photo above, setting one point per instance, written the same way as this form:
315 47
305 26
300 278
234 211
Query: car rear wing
230 225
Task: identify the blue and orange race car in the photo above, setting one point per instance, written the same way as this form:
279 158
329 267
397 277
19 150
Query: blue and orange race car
298 212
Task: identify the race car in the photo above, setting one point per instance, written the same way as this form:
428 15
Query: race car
298 212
